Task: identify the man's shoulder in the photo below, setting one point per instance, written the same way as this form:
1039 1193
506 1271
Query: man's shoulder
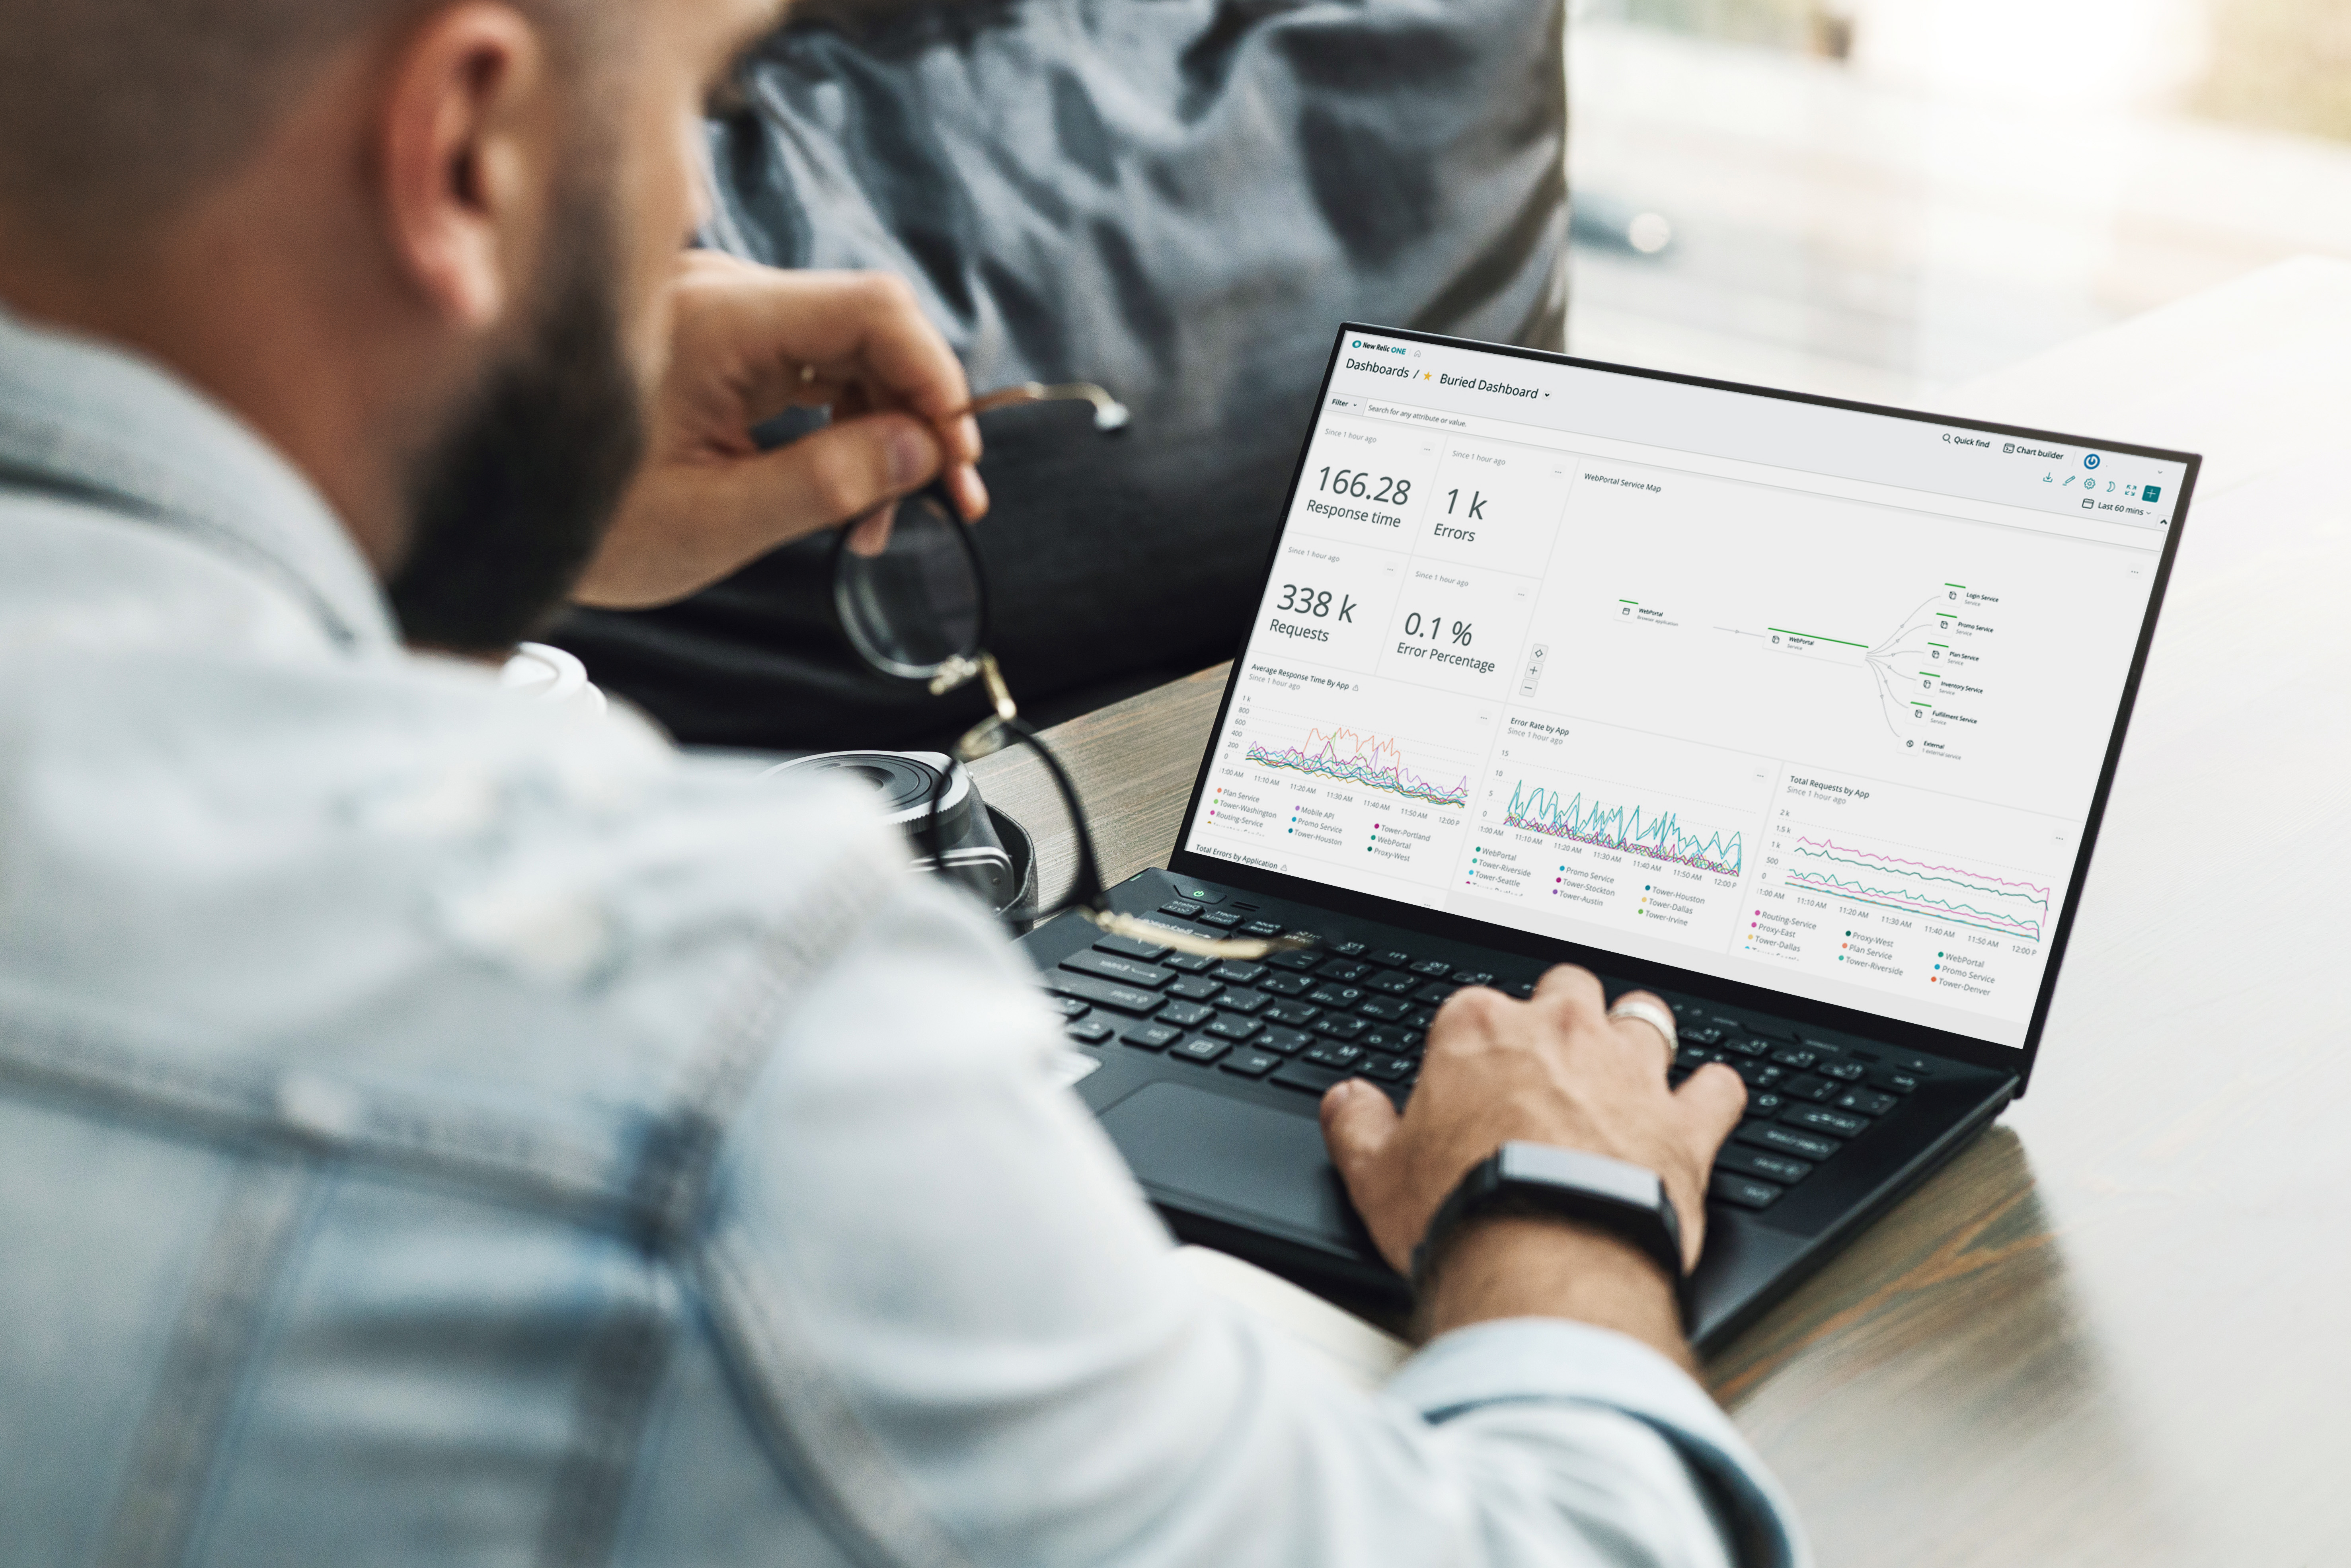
392 883
78 574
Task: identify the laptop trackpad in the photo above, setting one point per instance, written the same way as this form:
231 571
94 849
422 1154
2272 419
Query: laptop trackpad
1244 1158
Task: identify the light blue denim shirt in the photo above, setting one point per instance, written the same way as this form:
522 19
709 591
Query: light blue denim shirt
442 1129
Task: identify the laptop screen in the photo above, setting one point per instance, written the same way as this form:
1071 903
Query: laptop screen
1807 696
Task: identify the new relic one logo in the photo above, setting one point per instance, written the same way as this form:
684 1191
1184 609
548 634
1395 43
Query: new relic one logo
1376 348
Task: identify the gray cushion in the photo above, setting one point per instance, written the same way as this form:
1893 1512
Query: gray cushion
1180 199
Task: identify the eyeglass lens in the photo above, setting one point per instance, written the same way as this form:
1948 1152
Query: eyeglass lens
920 602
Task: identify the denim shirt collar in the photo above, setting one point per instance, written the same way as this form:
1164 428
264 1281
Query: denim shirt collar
79 416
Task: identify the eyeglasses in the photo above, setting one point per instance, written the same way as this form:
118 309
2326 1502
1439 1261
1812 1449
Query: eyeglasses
917 611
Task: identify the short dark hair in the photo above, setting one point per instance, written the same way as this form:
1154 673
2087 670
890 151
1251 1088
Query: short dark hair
114 113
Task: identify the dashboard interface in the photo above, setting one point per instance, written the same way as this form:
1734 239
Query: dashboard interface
1810 698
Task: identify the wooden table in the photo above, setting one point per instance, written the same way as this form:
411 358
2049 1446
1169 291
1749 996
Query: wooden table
2112 1332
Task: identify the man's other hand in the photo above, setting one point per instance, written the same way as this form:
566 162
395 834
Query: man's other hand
1555 1070
747 343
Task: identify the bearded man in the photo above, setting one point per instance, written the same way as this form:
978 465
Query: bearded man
437 1128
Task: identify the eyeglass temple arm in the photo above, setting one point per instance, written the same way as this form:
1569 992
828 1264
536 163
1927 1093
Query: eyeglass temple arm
1085 884
1109 413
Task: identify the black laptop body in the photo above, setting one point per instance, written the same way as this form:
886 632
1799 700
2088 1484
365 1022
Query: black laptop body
1800 713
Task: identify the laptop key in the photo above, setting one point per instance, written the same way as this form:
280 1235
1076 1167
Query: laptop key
1701 1034
1759 1074
1286 985
1764 1105
1201 1049
1740 1045
1223 919
1435 993
1387 1037
1285 1041
1795 1056
1331 1053
1236 999
1386 1068
1474 976
1125 971
1387 1009
1133 947
1087 1031
1072 1007
1820 1119
1297 959
1755 1163
1235 973
1195 988
1868 1102
1893 1078
1787 1141
1262 928
1295 1014
1843 1071
1307 1077
1334 996
1250 1063
1346 971
1393 983
1338 1027
1152 1036
1421 1019
1181 908
1188 963
1104 994
1395 959
1231 1028
1433 968
1187 1015
1743 1191
1522 989
1808 1086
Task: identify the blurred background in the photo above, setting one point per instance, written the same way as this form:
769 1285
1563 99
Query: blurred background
1878 199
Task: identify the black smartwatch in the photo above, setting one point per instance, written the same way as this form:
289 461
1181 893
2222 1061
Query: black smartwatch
1623 1200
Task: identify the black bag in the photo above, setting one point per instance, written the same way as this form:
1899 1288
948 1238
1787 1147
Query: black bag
1179 199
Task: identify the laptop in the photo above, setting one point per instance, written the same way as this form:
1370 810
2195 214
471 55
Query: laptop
1800 713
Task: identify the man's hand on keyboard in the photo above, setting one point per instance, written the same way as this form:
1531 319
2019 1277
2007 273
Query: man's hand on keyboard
1555 1070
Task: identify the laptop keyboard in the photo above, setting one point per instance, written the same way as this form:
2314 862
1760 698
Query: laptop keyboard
1305 1021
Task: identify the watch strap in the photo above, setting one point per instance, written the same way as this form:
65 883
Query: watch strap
1628 1201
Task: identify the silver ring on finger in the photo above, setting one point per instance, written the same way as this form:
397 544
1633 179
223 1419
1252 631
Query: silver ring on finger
1655 1017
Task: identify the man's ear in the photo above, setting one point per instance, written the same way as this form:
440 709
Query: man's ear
466 156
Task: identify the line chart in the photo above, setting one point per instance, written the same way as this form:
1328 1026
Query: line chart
1659 835
1964 897
1348 757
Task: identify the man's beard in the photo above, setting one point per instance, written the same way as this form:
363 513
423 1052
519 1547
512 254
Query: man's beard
512 501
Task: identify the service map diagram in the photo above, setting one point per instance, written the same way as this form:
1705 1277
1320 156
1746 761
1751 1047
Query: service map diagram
1835 746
